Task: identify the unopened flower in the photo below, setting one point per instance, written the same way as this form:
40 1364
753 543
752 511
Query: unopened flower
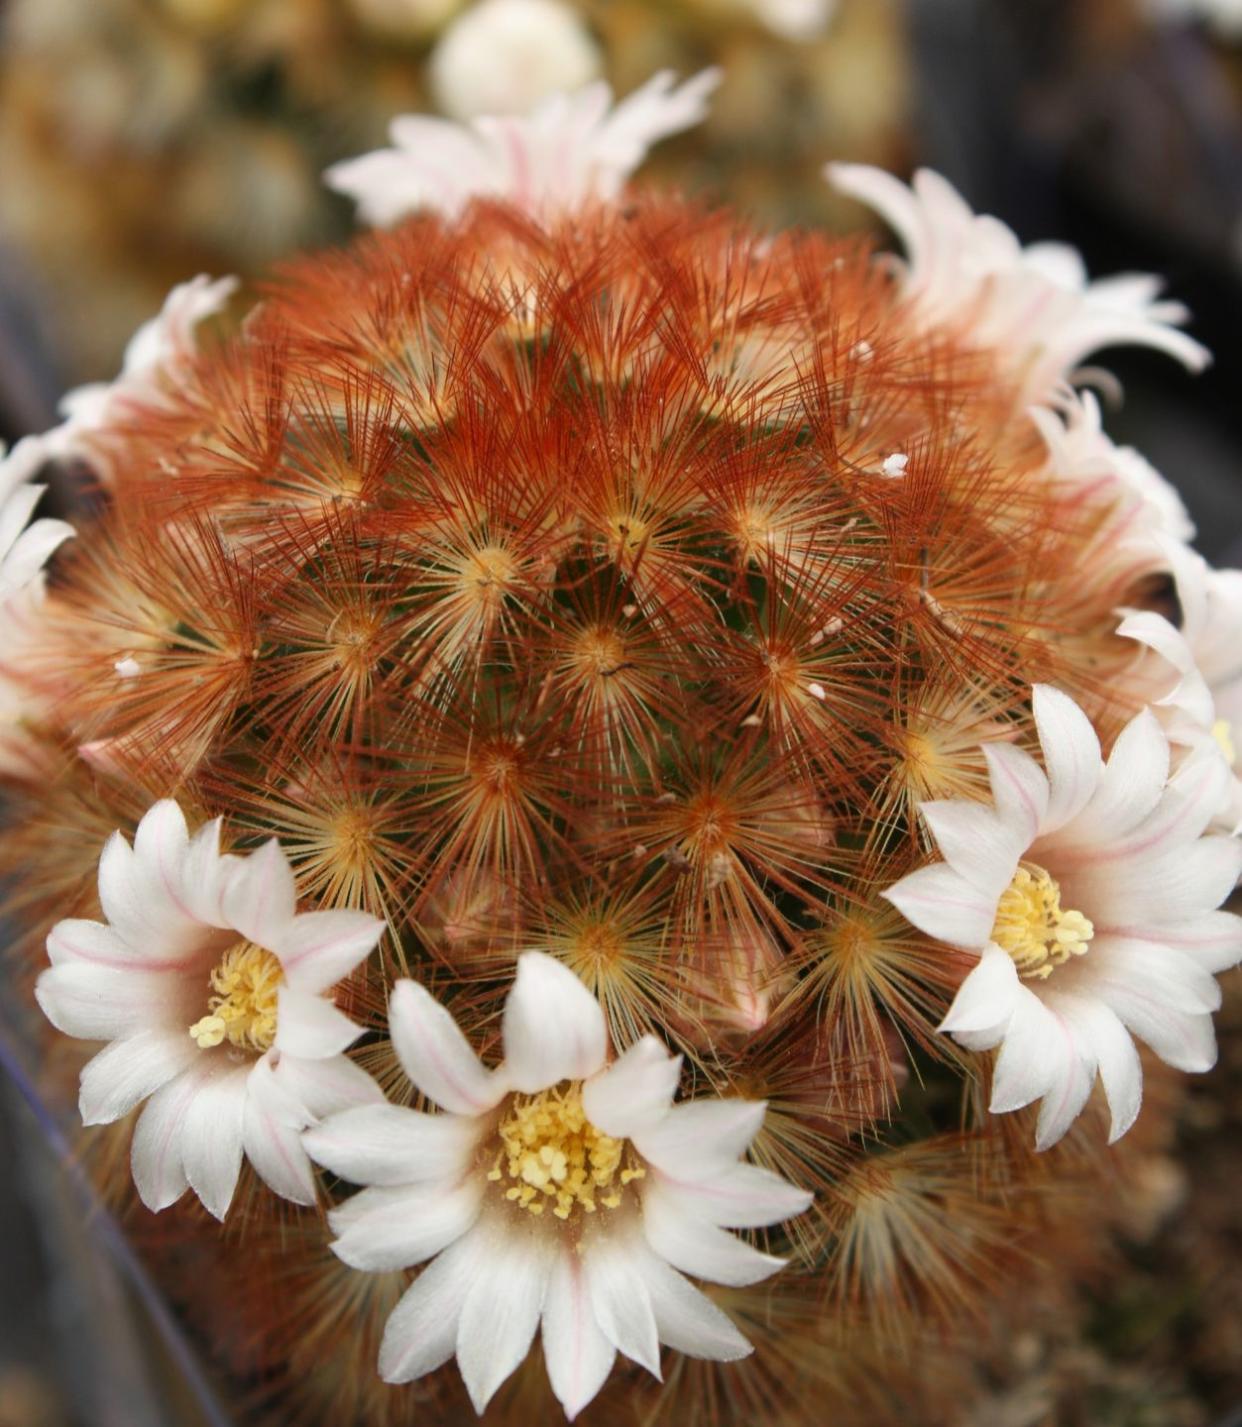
570 152
504 56
558 1189
213 993
1035 306
1090 893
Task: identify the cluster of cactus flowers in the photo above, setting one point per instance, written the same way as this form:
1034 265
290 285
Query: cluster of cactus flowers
567 737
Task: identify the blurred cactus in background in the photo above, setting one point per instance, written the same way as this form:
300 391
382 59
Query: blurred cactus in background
145 140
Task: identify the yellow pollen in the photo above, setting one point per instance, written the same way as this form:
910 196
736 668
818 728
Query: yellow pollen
242 1006
557 1159
1222 732
1032 927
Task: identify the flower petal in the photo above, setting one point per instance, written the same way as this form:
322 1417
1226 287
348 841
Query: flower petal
390 1145
553 1026
98 1003
322 1087
940 902
687 1320
129 1070
259 897
271 1139
702 1138
502 1310
620 1301
1130 788
1115 1053
1071 755
987 996
211 1137
421 1332
699 1248
635 1092
311 1026
405 1225
977 844
743 1197
155 1154
1064 1101
1019 789
318 949
435 1054
1034 1054
578 1355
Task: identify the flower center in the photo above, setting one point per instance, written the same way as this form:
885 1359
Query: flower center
1033 928
555 1157
242 1006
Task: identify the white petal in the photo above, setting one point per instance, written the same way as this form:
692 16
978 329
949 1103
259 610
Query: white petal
635 1092
1112 1049
940 902
987 996
1064 1101
1213 939
129 1070
620 1301
702 1138
260 898
311 1026
205 874
435 1054
686 1319
75 940
1071 755
96 1003
272 1142
1165 885
1182 1039
1130 788
155 1154
502 1310
578 1355
742 1197
390 1145
32 551
421 1332
553 1026
1175 979
696 1247
977 844
211 1137
1019 789
395 1228
1034 1054
322 1087
318 949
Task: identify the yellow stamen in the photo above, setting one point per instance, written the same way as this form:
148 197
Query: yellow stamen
1033 928
242 1007
1222 732
556 1158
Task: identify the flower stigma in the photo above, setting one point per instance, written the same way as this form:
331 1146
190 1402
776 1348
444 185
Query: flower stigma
1034 929
556 1158
242 1006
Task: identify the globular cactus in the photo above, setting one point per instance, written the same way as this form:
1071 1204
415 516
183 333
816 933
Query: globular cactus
576 583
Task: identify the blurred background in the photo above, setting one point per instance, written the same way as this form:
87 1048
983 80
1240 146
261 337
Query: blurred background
144 141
